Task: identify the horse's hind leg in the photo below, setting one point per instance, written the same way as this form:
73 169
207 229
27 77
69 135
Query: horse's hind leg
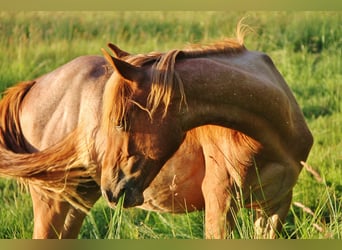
49 215
74 220
54 218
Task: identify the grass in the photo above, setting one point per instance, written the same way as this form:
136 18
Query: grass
305 46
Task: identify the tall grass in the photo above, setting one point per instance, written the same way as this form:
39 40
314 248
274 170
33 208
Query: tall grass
305 46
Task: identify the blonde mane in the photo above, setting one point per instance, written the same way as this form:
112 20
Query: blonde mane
117 96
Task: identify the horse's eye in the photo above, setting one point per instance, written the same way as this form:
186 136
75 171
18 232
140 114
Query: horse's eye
121 126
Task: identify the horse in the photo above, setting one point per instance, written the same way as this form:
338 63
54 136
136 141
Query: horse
154 99
102 126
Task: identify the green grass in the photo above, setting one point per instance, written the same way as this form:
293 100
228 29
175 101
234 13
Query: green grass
305 46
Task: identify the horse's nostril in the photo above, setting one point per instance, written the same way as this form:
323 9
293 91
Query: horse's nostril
122 192
108 195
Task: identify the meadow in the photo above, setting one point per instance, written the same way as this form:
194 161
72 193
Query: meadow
306 47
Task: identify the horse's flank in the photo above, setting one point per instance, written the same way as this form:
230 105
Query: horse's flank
58 169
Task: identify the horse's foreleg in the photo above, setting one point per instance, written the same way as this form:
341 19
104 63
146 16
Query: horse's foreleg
49 215
217 196
90 192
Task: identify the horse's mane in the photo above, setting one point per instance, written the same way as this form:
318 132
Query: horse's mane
117 96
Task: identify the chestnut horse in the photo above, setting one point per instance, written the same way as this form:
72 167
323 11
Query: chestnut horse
91 123
154 99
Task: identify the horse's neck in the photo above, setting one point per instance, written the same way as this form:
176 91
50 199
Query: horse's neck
230 116
234 98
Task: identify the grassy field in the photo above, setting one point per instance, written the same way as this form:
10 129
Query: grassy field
305 46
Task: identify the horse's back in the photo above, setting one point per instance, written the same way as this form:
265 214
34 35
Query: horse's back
63 99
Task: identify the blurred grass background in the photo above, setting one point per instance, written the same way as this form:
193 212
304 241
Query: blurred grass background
305 46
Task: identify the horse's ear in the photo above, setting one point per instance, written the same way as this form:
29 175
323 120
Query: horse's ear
108 57
126 70
118 53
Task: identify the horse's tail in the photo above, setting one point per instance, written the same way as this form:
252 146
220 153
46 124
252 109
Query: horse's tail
57 169
10 130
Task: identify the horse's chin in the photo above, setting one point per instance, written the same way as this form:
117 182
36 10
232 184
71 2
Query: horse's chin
133 199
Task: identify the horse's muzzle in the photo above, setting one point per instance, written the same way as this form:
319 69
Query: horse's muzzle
131 195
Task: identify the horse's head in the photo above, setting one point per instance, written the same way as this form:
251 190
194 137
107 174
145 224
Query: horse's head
139 139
